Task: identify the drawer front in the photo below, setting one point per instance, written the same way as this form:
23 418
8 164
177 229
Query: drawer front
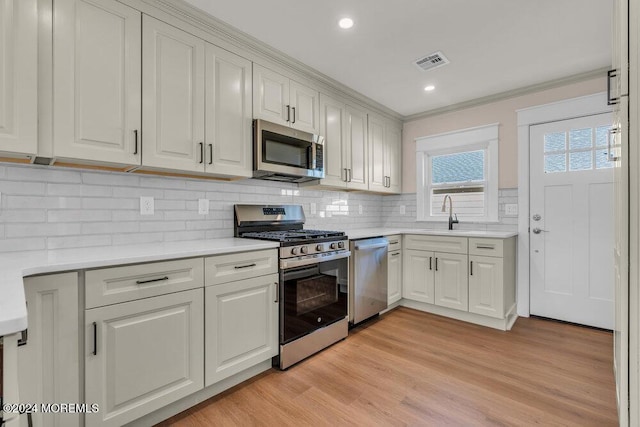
119 284
453 245
395 242
486 247
228 268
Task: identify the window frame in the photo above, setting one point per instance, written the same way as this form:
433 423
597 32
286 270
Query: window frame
471 139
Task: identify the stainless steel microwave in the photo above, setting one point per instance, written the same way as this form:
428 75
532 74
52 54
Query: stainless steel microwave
281 153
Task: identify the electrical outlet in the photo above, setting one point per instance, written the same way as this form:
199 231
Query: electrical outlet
360 209
146 205
511 209
312 207
403 210
203 206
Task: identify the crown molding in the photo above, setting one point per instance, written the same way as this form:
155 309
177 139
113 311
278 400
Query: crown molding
260 50
601 72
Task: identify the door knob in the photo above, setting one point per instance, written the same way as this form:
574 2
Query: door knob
538 230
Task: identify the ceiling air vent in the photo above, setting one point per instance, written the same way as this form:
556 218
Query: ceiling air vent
431 61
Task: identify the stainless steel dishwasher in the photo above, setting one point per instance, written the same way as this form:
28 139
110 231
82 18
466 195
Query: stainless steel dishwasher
367 278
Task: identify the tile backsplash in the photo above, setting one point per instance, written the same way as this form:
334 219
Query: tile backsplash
54 208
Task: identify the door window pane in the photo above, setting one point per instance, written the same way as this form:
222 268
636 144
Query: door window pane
580 161
601 136
554 142
601 159
555 163
579 138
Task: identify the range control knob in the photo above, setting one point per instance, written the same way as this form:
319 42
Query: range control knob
341 245
294 251
303 249
319 248
333 246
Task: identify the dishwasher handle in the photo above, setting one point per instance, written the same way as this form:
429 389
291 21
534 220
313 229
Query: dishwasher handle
366 247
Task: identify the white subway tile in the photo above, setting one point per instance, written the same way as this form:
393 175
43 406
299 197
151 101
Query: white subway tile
137 192
78 215
78 190
22 188
110 227
160 182
42 174
183 195
175 236
42 229
23 244
136 238
111 178
77 242
23 215
135 216
204 225
171 205
146 227
111 204
36 202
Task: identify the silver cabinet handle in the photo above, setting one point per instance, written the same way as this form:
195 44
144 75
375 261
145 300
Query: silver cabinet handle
538 230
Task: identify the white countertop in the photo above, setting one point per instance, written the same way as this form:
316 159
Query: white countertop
371 232
15 266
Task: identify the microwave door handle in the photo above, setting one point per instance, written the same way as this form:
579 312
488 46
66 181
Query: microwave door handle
314 156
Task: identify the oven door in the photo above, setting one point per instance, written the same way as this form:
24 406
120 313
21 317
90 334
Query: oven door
312 296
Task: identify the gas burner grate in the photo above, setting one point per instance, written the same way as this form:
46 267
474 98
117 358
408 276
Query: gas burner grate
293 235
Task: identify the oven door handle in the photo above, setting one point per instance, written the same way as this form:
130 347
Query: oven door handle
292 263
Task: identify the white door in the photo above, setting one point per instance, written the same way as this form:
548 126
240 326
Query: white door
394 279
377 177
97 80
486 286
418 276
228 113
271 96
173 97
571 223
356 149
451 281
393 158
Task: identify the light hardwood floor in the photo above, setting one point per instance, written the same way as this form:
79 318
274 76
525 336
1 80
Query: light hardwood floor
414 368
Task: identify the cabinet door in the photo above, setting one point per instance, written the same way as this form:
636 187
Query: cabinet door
357 160
228 113
305 115
486 295
334 129
393 158
143 355
418 276
270 96
19 76
241 326
173 95
377 171
97 80
394 280
451 284
49 365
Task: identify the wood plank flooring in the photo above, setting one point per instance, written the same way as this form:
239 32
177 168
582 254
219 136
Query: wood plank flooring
414 368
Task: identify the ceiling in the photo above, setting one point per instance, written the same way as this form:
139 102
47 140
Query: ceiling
494 46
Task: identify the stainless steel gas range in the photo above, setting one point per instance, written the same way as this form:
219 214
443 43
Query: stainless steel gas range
314 271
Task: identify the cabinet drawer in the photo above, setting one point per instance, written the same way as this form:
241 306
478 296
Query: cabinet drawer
454 245
486 247
119 284
395 242
228 268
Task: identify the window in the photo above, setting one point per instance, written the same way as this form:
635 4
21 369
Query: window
462 165
576 150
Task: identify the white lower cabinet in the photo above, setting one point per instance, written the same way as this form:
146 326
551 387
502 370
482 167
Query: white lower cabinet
142 355
49 365
451 283
241 325
394 279
486 286
419 281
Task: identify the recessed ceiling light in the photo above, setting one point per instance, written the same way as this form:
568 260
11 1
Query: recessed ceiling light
345 23
429 88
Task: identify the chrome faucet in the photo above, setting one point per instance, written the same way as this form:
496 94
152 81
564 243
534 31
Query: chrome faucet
444 209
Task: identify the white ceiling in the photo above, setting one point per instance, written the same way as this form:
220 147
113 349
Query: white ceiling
494 45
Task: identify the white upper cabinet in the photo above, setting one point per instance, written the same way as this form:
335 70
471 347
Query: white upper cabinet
333 127
18 76
280 100
385 139
174 97
97 79
228 133
356 149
